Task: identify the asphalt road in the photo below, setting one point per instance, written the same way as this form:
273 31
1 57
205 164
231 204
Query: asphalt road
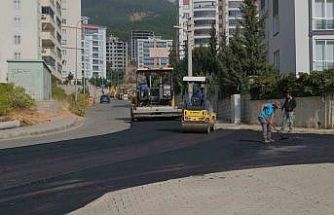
59 177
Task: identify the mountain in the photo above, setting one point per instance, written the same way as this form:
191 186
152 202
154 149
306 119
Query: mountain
122 16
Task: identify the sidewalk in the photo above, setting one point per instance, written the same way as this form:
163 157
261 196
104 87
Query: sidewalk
298 189
230 126
56 124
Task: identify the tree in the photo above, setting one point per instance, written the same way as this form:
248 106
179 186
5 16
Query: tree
253 40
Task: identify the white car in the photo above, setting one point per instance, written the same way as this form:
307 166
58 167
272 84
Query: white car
125 97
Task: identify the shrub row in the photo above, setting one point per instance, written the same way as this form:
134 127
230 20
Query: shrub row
13 98
275 86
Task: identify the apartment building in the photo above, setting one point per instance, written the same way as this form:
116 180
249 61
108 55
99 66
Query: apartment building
300 34
71 38
117 54
233 16
134 36
153 52
199 16
51 34
93 43
20 27
184 13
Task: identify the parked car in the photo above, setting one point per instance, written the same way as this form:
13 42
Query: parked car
125 97
104 99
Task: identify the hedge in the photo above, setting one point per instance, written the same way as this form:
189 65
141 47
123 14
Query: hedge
274 86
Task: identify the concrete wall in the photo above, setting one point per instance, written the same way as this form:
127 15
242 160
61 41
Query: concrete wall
33 76
311 112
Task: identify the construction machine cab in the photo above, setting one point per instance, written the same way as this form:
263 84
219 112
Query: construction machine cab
155 96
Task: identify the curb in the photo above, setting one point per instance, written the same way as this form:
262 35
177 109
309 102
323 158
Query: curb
258 128
30 131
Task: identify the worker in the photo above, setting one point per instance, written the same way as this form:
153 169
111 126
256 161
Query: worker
288 108
265 118
200 95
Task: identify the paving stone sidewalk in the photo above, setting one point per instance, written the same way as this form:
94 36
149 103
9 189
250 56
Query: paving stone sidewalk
230 126
56 124
288 190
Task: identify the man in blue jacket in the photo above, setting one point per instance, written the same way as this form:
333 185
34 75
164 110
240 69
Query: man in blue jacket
265 117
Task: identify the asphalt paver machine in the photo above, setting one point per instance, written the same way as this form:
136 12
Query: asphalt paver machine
154 94
196 113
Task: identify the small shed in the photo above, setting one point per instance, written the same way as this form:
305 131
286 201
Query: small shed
33 75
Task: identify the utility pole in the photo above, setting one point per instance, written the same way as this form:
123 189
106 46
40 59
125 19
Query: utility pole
76 60
189 31
190 59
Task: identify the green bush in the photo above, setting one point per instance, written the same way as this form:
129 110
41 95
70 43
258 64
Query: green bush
13 98
79 107
275 86
59 94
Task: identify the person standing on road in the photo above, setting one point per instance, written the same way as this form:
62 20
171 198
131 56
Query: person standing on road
288 108
265 118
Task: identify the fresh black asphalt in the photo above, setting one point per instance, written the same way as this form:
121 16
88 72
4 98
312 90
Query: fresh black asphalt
59 177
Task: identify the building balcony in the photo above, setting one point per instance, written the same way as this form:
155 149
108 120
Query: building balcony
48 39
206 9
320 23
50 53
202 27
203 36
53 66
205 18
50 3
48 23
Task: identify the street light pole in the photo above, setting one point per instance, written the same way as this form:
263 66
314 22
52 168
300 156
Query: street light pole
190 59
76 60
189 31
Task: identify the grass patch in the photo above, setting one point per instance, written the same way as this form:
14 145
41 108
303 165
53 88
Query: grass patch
76 107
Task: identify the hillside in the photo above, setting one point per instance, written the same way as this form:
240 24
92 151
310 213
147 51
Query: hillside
122 16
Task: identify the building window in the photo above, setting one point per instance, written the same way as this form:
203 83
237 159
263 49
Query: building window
17 39
277 59
17 22
17 55
324 55
276 17
17 4
323 15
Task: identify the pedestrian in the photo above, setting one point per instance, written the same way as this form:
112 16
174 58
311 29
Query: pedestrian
288 107
265 118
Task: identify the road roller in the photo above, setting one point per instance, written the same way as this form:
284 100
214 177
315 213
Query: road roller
196 116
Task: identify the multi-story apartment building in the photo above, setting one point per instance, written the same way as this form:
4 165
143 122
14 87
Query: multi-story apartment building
232 16
52 35
300 34
117 54
199 16
184 12
93 44
134 36
153 52
20 27
71 38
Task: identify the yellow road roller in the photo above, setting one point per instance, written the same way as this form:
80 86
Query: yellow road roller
197 115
